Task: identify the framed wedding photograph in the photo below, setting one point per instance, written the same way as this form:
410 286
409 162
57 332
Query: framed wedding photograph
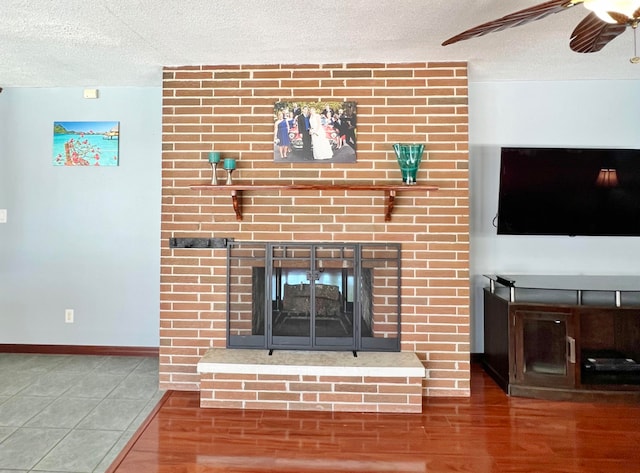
315 132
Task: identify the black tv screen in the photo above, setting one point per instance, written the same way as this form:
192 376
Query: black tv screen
569 191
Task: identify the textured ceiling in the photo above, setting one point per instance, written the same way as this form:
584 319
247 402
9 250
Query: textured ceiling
80 43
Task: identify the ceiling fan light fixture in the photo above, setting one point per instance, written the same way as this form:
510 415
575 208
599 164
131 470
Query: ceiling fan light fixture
603 7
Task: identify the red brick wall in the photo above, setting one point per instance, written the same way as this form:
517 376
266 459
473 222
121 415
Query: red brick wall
311 392
230 109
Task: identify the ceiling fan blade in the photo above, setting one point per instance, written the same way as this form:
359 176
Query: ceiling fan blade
619 18
592 34
518 18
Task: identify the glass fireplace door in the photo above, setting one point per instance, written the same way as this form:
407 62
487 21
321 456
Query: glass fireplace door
334 288
288 284
312 292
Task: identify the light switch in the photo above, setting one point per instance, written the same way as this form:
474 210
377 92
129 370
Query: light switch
3 215
90 93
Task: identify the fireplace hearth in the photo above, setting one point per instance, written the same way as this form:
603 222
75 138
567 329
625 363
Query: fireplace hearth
313 296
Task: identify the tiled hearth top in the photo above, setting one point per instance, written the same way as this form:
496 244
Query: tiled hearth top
319 363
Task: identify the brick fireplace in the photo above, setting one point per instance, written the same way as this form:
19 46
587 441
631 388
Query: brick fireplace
230 109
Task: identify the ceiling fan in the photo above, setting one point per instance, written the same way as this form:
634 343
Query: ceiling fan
607 20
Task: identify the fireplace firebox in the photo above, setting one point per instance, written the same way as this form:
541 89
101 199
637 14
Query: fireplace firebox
313 296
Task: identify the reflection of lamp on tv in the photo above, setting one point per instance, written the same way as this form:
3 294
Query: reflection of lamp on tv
607 177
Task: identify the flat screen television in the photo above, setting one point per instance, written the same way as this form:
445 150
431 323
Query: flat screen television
569 191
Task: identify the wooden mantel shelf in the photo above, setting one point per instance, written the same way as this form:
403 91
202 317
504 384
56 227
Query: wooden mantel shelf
390 191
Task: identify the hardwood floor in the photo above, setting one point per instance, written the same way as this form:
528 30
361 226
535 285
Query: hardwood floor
487 433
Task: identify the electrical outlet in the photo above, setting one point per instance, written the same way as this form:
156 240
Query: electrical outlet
68 316
3 215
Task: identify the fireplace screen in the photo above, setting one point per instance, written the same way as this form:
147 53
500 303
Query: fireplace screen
318 296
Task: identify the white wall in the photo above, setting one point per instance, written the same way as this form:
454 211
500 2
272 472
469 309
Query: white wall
573 114
84 238
88 238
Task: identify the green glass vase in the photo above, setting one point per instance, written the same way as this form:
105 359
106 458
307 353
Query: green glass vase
409 157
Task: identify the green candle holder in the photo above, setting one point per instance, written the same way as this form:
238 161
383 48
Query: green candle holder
229 165
409 157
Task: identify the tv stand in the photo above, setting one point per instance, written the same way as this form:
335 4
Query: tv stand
564 337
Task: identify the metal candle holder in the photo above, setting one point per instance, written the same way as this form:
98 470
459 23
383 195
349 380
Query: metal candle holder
229 180
214 174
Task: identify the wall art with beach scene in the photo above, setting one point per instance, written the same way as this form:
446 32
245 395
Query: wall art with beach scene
315 132
85 143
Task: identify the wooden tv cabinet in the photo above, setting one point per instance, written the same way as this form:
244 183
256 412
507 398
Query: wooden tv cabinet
564 337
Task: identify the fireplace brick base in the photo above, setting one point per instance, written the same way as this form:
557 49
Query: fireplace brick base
314 381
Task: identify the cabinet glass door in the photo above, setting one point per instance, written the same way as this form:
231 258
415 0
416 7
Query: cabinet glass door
544 348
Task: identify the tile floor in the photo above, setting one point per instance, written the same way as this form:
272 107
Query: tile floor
71 413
